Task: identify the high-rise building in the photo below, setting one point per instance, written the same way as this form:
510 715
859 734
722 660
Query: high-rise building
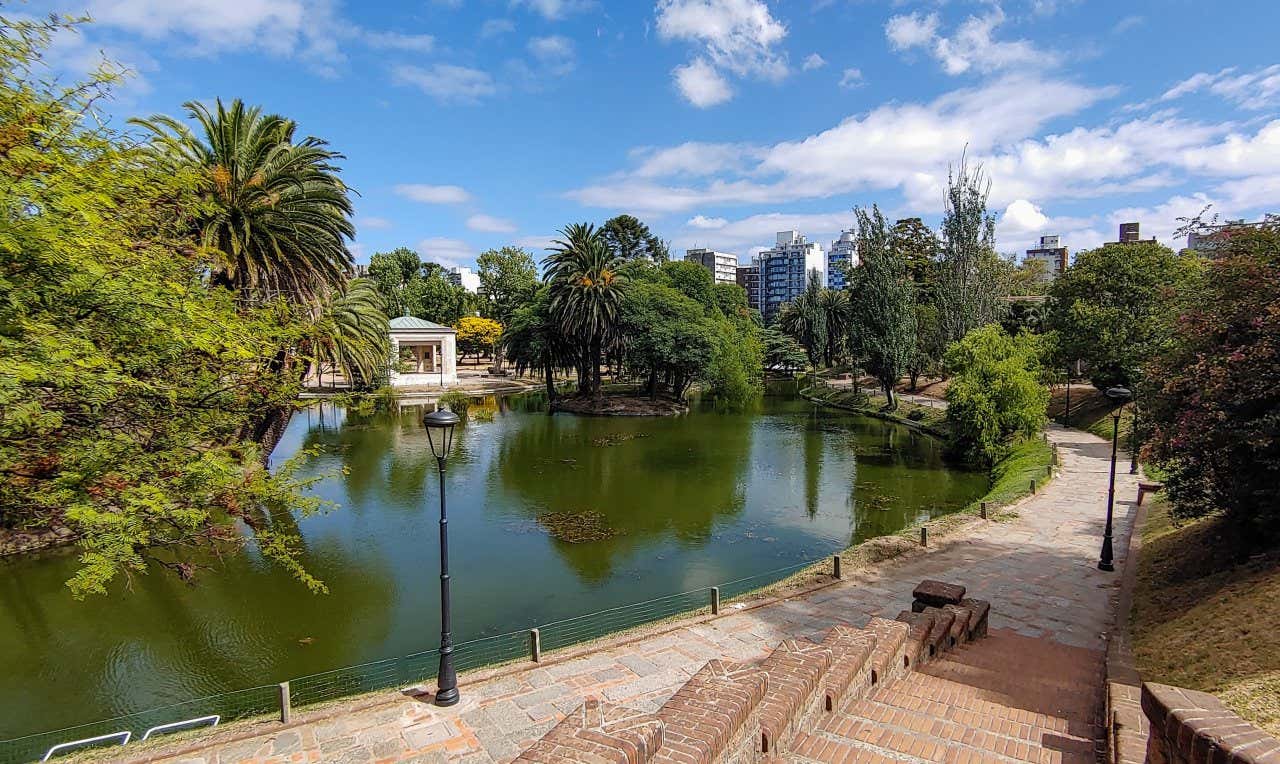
1129 235
464 277
1052 254
1209 240
842 256
748 277
784 270
723 266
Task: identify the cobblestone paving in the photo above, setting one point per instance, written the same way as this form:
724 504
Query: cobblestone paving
1038 570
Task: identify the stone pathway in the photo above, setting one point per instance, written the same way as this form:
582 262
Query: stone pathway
1038 570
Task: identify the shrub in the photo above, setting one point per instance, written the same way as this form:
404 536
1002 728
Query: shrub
456 401
995 395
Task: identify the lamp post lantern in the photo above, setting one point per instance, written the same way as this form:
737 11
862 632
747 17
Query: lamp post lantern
1121 394
440 426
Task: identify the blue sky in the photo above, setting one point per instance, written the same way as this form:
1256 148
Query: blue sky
468 125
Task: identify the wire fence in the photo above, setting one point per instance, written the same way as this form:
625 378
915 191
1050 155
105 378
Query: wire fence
279 700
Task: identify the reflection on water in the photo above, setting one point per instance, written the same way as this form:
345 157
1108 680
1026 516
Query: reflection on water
693 501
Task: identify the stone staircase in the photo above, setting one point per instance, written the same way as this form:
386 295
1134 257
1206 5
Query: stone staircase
929 686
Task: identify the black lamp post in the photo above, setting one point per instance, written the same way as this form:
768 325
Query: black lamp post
440 426
1121 394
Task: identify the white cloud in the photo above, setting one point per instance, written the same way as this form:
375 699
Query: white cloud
1127 23
737 36
744 235
554 53
905 146
693 159
851 78
310 30
813 61
490 224
1250 90
972 46
701 85
370 221
446 251
553 9
496 28
427 194
412 43
536 243
704 223
447 82
1021 217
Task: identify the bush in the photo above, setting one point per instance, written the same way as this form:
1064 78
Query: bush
1213 401
456 401
995 395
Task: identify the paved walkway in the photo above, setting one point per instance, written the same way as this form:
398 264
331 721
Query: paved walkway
1038 571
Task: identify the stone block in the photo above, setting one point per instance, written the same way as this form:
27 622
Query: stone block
938 593
980 610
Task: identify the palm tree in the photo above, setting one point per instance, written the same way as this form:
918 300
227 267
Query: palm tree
804 319
532 340
834 304
351 333
278 217
585 289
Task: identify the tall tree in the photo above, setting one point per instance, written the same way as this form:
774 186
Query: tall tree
352 335
1214 390
919 248
533 340
996 393
410 287
508 279
805 319
1113 308
971 281
630 239
586 293
275 211
883 326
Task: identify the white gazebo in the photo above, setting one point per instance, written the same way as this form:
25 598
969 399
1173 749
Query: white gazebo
423 353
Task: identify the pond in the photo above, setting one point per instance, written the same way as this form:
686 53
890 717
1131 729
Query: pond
684 502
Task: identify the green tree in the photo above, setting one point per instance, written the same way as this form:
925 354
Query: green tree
971 280
127 385
805 319
352 334
533 340
781 352
913 242
1212 396
883 319
995 393
275 211
1113 308
410 287
508 279
1030 278
586 294
393 272
691 280
630 239
668 337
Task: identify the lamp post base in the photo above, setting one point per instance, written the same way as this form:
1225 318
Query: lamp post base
449 697
1106 566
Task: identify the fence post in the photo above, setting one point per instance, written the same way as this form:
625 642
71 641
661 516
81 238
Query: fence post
835 567
1048 471
535 645
715 600
1033 486
286 705
984 510
924 535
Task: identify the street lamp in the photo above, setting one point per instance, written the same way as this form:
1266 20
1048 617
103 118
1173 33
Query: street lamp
440 424
1122 395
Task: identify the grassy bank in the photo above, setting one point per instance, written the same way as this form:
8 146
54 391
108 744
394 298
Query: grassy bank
932 420
1205 619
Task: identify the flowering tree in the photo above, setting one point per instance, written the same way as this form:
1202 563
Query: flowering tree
1213 397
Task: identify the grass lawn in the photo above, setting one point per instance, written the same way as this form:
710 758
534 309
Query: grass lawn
1207 620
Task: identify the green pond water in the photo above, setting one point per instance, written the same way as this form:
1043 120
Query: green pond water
694 501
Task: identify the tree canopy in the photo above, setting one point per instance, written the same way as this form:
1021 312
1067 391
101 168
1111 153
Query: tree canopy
629 239
995 394
882 298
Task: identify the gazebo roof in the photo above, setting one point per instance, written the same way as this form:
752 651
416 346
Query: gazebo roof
412 322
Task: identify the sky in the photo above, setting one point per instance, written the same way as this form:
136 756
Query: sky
473 124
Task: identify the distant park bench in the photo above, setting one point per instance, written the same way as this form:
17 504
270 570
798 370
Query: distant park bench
1146 488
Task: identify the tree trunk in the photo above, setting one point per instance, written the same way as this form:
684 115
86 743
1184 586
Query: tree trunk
891 396
549 372
653 383
595 367
915 377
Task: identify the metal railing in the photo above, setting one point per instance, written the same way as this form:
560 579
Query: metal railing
279 700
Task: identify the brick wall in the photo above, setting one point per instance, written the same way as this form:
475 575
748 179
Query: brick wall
1195 727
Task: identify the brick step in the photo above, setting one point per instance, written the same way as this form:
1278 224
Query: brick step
955 702
1079 711
1009 686
822 749
987 735
895 742
1040 660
